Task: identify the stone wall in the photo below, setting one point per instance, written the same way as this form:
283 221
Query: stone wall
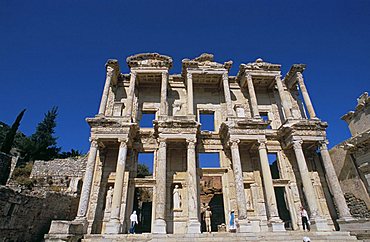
27 217
5 164
61 173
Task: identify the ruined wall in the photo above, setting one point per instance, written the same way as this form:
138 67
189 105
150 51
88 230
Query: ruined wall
27 217
62 173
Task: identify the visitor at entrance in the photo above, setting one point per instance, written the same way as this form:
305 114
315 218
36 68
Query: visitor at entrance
207 216
133 219
305 219
232 221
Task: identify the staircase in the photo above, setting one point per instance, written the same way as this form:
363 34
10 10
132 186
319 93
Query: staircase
291 236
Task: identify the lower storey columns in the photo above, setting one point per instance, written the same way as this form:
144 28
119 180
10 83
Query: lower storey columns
334 184
159 226
114 225
245 226
277 224
320 223
193 224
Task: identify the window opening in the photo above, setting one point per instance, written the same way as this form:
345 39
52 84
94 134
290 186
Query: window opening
207 120
209 160
146 120
265 117
273 161
145 165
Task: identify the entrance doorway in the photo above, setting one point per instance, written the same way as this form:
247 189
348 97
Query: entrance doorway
284 213
143 206
211 196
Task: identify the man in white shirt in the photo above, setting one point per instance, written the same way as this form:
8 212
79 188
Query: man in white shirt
305 219
133 219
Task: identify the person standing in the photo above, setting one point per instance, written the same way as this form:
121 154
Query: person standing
305 219
133 220
232 220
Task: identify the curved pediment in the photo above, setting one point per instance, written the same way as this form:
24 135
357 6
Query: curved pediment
149 60
205 61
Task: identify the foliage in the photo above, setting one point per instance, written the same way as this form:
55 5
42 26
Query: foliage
18 139
142 171
42 144
21 175
10 136
72 153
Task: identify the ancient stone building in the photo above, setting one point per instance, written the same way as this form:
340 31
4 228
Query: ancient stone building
351 160
249 143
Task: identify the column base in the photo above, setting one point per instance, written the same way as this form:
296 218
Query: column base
112 227
277 225
245 226
159 227
320 224
193 227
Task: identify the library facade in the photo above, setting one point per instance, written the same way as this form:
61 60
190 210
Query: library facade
173 146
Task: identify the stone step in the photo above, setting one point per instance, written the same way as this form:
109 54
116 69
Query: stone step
225 237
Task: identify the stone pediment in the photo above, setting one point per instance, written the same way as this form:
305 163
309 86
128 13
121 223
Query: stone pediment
362 102
205 61
149 60
259 65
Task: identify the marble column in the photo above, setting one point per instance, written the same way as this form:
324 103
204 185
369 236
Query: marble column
113 226
334 184
229 105
189 84
104 98
252 97
164 104
277 224
283 98
305 95
193 225
239 182
160 190
130 94
306 179
88 179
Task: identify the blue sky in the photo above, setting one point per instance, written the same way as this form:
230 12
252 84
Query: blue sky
53 52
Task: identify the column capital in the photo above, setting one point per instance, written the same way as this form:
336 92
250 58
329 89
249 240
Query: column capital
323 144
248 76
234 143
110 71
297 144
133 74
262 144
225 75
189 75
191 143
123 142
299 76
94 142
162 142
164 73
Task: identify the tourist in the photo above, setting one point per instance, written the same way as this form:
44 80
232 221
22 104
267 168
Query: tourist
305 219
133 219
232 220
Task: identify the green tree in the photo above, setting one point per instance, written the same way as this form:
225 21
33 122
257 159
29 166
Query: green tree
72 153
142 171
42 144
9 138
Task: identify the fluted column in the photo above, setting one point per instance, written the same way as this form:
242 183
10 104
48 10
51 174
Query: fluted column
87 182
229 105
239 182
334 184
283 97
164 84
267 181
192 184
306 179
160 190
104 98
130 94
252 97
305 95
189 85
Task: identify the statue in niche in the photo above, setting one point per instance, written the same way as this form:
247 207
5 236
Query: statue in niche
108 199
176 197
176 107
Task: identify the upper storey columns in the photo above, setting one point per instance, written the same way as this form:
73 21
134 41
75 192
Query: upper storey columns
112 72
283 97
164 84
305 95
225 82
130 94
252 97
189 85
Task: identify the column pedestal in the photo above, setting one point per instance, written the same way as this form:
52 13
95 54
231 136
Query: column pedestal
159 226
